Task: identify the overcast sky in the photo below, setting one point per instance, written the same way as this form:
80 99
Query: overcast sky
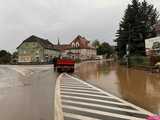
50 19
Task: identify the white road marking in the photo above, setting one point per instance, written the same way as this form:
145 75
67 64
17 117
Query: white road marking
76 90
87 94
117 98
57 102
22 72
96 100
72 90
102 113
73 82
80 117
75 86
103 106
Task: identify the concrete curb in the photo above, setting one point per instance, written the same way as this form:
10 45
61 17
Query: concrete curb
58 115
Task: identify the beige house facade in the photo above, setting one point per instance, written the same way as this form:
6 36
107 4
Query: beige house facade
35 49
38 50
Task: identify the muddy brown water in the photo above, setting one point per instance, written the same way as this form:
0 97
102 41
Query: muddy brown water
139 87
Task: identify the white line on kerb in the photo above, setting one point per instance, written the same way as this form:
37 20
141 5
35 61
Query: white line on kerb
96 100
123 101
70 82
103 106
76 90
79 117
102 113
87 94
74 87
58 112
82 86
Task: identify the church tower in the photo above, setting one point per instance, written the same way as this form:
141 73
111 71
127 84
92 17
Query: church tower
58 41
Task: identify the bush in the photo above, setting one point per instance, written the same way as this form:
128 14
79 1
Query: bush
77 60
154 60
158 58
5 57
139 60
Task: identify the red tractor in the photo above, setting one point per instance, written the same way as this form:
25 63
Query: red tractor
64 64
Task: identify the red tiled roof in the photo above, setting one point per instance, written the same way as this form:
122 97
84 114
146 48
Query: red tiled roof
83 43
62 47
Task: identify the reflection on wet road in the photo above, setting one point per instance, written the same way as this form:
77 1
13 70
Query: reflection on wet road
139 87
26 93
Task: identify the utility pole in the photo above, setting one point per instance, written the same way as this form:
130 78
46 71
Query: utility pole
128 45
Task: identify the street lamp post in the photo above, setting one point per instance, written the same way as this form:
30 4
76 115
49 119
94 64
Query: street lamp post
127 54
128 45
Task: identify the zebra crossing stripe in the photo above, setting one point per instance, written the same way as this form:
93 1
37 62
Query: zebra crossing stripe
103 113
76 90
81 88
80 117
117 98
102 106
92 99
75 86
83 101
76 93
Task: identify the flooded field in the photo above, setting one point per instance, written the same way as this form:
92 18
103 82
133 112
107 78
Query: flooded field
139 87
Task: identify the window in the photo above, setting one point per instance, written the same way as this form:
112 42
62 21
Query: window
34 44
37 52
73 45
77 44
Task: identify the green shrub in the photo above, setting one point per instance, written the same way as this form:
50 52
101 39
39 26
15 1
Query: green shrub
77 60
139 60
5 57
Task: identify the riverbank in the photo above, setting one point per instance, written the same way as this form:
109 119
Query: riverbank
92 61
152 69
144 63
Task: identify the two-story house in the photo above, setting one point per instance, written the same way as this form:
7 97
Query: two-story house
79 48
35 49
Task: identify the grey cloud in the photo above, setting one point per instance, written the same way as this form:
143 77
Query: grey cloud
95 19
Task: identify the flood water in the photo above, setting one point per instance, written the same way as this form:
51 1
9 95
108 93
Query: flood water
136 86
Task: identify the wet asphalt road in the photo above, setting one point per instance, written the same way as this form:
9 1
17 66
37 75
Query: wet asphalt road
27 93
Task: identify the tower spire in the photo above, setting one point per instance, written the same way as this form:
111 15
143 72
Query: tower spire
58 41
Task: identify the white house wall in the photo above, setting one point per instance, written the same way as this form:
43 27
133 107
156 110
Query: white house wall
84 54
149 44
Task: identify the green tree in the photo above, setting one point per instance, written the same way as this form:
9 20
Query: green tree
5 57
15 57
95 43
135 27
105 49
